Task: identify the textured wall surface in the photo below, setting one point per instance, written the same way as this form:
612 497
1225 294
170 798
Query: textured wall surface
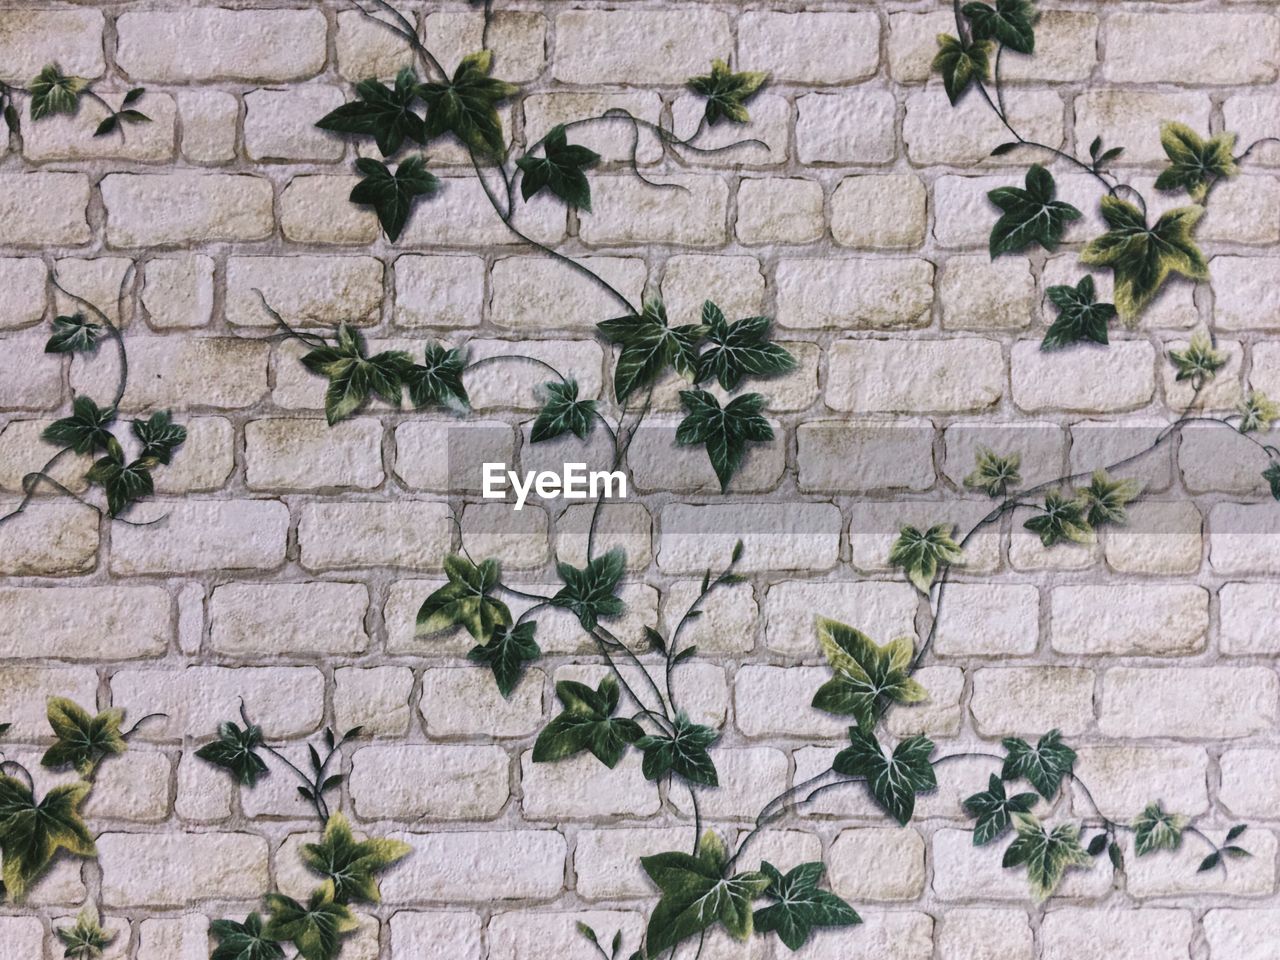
294 555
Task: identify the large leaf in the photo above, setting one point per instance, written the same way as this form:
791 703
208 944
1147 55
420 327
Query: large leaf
467 106
464 601
85 431
1195 163
683 753
315 928
1156 830
649 346
1046 853
1062 518
353 376
1031 215
727 92
437 382
993 809
589 592
506 653
384 113
52 92
1043 765
236 750
243 941
587 723
1141 256
739 349
800 906
1080 315
559 170
725 431
1011 22
73 334
350 864
32 833
393 195
922 554
962 63
563 413
894 781
82 740
864 672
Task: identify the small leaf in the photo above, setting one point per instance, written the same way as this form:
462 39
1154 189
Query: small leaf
1209 862
865 672
684 655
85 431
800 905
437 382
393 195
725 431
73 334
243 941
159 436
464 601
587 723
893 781
962 63
993 809
507 653
1232 834
1195 163
353 376
314 928
559 170
1080 316
683 752
235 750
1107 498
1272 476
1030 215
1156 830
1011 22
739 349
350 864
1046 853
656 641
122 482
54 92
727 93
1004 148
86 939
82 740
563 413
1199 362
590 592
921 555
1061 519
1257 412
649 346
1116 855
994 473
108 125
133 95
1043 765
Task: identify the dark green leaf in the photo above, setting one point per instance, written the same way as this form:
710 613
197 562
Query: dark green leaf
1116 855
961 64
235 750
108 125
1011 22
464 601
656 642
1030 215
85 431
683 753
1232 834
727 92
384 113
393 195
993 809
649 346
563 413
589 592
587 723
133 95
1046 853
133 116
1272 476
1209 862
800 906
894 781
507 653
725 431
864 673
1043 766
1080 316
438 381
467 106
243 941
1097 845
1107 498
1062 519
32 833
739 349
54 92
353 376
559 170
159 435
350 864
316 928
73 334
1004 148
122 482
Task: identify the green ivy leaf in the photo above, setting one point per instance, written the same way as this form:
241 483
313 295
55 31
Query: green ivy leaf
739 349
467 106
864 672
350 864
1062 519
81 740
727 92
1199 362
1257 412
353 376
506 653
1080 316
649 346
559 170
73 334
563 413
438 381
1194 163
800 906
464 601
1107 498
52 92
122 482
1030 215
31 833
587 723
683 753
159 436
384 113
961 64
316 928
86 939
1043 765
994 473
1046 853
696 895
894 781
589 592
1011 22
393 195
85 431
993 808
243 941
1156 830
922 554
1272 476
235 750
724 431
1142 257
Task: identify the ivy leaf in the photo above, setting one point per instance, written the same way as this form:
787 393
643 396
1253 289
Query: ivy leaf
560 170
506 654
350 864
727 93
725 431
1080 316
1156 830
31 833
1142 257
587 723
1272 476
384 113
921 554
801 905
123 482
1062 519
159 436
683 753
464 601
82 740
52 92
563 413
1030 215
994 473
1194 163
864 672
894 781
352 375
234 750
961 64
1107 498
1011 22
589 592
1046 853
467 106
649 346
85 431
315 929
73 334
1199 362
393 195
1257 412
696 895
1043 766
86 939
993 808
739 349
243 941
438 382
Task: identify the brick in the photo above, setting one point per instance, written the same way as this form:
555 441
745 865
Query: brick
1217 49
533 294
896 935
1245 210
182 938
657 462
285 454
281 124
24 691
607 860
581 787
854 293
373 698
1244 610
1223 392
935 132
1244 289
132 787
84 623
985 935
879 609
419 445
644 46
174 208
518 384
749 778
317 209
200 535
525 933
254 620
814 47
49 539
460 866
461 215
203 791
1083 934
1122 116
843 455
518 40
960 868
1191 703
879 211
978 293
1248 114
22 447
1179 875
1031 700
209 122
1243 538
1121 377
32 39
683 209
774 702
63 137
1040 444
1123 779
735 284
1160 537
859 126
464 701
780 211
762 141
29 379
206 459
178 292
412 535
43 209
439 291
495 530
612 139
988 620
877 863
22 935
304 290
439 782
1241 934
1130 619
24 278
453 934
775 536
173 870
904 376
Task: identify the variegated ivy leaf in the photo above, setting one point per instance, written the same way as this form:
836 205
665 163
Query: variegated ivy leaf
1199 362
159 436
739 349
725 431
315 928
697 895
52 92
243 941
559 170
1031 215
73 334
350 864
393 195
1080 315
32 833
467 106
1142 256
864 672
589 592
464 601
384 113
1046 853
921 554
1043 765
1156 830
1272 476
1195 163
587 723
993 809
682 752
235 750
1011 22
962 63
563 413
85 939
85 431
727 92
437 381
123 481
893 781
1107 498
1257 412
507 653
800 905
82 740
1063 518
353 376
994 473
649 346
